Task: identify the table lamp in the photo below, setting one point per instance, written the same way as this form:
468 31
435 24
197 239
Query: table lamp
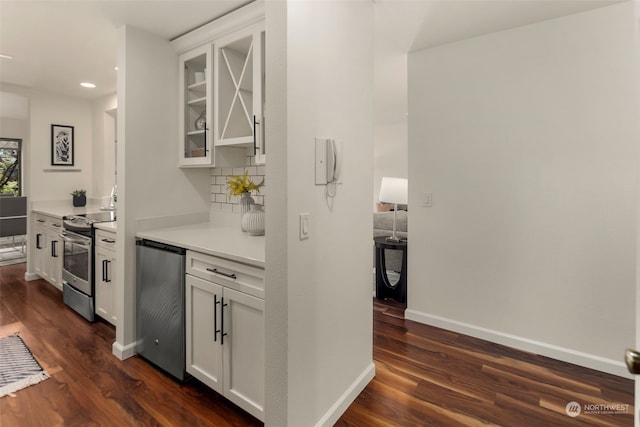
394 190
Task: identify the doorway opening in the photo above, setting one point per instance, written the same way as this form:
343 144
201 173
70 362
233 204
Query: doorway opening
10 166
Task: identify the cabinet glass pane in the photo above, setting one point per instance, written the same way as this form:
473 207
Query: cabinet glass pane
195 81
235 89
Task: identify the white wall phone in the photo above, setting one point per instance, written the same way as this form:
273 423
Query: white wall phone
328 161
334 160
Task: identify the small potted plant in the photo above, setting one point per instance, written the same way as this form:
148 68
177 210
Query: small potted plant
79 198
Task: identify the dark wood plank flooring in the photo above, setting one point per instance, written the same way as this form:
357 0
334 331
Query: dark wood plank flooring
424 376
427 376
88 385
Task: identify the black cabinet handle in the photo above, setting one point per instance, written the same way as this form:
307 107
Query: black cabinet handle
205 140
223 334
255 145
54 253
38 237
105 271
216 271
215 318
256 124
108 240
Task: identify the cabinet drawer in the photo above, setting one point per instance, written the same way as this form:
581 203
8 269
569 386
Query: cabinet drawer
49 221
234 275
40 219
106 240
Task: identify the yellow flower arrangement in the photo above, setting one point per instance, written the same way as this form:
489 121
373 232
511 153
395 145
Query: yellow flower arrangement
242 184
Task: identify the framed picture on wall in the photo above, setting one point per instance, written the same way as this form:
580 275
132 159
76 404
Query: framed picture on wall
61 145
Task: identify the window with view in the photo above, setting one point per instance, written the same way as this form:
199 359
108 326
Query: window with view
10 165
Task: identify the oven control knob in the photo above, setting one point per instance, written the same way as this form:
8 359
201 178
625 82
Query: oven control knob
157 342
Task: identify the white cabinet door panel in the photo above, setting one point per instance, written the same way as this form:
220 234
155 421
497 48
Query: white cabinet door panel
244 351
204 353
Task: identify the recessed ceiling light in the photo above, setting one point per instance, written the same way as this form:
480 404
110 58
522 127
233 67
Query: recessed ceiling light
5 56
86 84
115 68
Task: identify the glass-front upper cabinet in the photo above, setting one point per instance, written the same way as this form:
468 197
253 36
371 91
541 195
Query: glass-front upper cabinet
239 89
196 105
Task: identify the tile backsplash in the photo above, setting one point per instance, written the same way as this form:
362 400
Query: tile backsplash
221 200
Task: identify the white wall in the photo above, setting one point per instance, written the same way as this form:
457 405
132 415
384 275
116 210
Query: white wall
390 139
150 184
637 298
104 157
276 220
45 110
329 80
14 128
527 139
91 154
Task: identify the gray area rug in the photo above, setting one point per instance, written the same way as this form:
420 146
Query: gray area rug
18 367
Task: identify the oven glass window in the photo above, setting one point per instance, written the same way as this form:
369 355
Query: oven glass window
76 260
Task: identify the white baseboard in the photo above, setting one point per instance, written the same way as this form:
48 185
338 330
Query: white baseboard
340 406
610 366
123 352
31 276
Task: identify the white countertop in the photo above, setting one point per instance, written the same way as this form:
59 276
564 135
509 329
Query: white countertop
58 209
222 240
107 226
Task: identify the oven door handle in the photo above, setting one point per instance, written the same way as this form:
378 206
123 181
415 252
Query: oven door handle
67 238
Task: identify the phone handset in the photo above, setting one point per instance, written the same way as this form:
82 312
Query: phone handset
334 161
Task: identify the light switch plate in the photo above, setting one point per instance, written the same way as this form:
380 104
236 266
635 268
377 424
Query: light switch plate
304 226
427 200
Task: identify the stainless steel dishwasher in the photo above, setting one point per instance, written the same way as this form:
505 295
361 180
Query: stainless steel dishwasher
160 322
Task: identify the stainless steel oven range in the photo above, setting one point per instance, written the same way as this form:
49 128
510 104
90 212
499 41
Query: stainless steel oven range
78 279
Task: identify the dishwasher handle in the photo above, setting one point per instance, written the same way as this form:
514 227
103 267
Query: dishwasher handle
161 246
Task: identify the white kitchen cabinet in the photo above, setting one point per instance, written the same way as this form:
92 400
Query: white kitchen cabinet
40 245
194 122
48 253
105 268
204 352
239 90
225 335
243 351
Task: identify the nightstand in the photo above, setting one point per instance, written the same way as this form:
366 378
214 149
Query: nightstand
386 288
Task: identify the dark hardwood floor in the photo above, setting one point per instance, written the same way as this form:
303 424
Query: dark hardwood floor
88 385
427 376
424 376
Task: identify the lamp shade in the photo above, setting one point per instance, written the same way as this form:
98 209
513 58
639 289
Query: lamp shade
394 190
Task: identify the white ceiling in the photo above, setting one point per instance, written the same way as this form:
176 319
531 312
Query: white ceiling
403 26
58 44
419 24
